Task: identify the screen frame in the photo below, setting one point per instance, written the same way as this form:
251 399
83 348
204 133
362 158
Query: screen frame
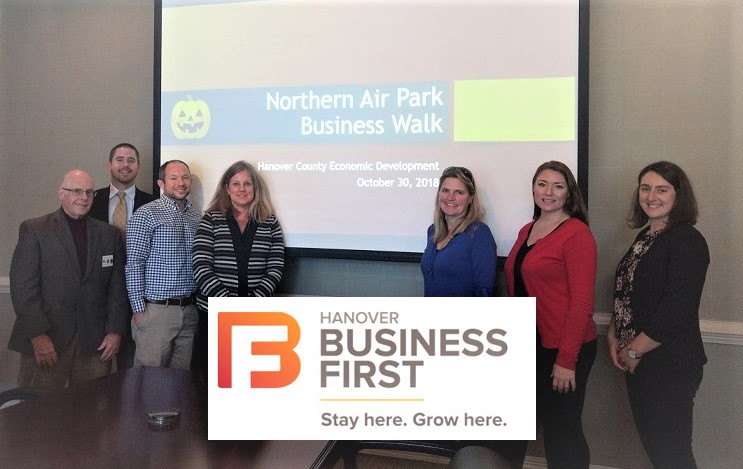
392 256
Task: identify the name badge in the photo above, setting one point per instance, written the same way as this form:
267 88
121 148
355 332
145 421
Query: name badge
107 261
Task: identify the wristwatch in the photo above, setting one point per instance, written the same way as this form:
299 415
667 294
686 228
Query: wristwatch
632 354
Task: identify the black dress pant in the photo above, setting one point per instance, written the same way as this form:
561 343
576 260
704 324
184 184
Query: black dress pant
662 404
561 414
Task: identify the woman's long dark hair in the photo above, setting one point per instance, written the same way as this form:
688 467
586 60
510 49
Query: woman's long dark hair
575 206
685 208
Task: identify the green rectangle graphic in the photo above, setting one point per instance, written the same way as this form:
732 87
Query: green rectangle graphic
520 110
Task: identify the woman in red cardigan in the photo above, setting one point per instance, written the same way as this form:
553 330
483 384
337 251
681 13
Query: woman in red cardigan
554 260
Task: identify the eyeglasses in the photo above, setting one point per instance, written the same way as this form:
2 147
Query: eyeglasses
458 170
79 192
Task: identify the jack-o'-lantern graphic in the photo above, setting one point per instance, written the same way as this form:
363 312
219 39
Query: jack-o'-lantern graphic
190 119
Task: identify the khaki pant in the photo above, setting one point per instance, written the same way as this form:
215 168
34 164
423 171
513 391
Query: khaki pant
165 336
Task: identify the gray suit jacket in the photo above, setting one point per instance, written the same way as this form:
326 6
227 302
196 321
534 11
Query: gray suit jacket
51 295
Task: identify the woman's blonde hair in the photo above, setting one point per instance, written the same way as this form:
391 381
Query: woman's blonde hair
475 210
260 208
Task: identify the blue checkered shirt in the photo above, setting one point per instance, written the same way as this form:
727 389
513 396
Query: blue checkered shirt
159 239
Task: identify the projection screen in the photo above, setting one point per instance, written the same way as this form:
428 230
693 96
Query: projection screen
351 109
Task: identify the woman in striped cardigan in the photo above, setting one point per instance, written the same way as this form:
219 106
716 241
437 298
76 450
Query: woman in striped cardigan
239 246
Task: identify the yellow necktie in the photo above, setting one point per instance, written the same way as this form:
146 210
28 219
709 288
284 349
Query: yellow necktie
119 220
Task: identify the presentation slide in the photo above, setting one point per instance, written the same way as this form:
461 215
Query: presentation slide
352 109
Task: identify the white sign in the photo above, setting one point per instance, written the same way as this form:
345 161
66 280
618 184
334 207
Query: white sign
289 368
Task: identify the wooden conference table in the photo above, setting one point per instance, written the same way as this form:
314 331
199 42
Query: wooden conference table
103 423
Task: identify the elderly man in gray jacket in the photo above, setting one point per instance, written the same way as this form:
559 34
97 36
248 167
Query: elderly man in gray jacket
68 291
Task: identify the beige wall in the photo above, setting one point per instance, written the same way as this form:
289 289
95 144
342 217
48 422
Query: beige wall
76 80
666 83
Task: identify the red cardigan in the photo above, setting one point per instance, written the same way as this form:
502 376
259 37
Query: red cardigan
560 270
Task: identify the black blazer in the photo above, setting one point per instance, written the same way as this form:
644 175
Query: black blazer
667 289
99 209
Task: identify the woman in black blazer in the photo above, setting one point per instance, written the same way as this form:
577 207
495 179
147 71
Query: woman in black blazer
654 335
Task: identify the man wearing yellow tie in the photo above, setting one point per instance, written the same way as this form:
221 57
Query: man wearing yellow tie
115 204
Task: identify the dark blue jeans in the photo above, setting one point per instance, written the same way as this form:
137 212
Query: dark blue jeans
561 414
662 404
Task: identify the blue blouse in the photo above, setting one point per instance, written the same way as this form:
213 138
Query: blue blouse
464 267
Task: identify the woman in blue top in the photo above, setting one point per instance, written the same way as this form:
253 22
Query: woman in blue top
460 260
460 257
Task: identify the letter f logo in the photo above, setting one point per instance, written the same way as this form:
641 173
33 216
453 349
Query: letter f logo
289 360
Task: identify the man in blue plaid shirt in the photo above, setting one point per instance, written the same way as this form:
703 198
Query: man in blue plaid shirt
159 275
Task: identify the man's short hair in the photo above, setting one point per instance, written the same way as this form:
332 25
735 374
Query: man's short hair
161 172
123 145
